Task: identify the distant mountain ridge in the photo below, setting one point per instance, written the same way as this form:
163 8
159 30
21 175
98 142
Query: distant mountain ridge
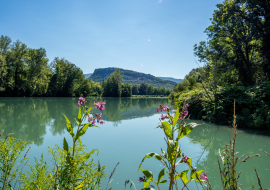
171 79
131 77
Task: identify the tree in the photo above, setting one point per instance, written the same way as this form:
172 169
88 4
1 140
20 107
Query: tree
126 90
66 78
113 86
135 89
38 72
143 88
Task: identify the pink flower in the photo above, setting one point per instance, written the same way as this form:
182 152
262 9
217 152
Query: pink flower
79 103
180 118
81 99
186 113
158 109
185 159
187 105
164 117
90 119
165 108
101 122
99 116
203 176
94 122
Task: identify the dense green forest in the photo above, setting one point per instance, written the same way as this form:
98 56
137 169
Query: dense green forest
27 72
236 66
131 77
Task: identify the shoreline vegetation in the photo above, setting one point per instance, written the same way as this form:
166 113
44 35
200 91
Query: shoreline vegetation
235 62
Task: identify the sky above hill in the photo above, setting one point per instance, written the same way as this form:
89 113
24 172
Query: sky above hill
150 36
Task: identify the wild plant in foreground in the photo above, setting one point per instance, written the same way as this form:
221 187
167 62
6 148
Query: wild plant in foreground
229 177
10 151
173 156
72 167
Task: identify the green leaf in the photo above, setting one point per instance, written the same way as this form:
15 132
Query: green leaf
86 156
147 173
160 175
163 181
183 176
65 145
87 112
146 184
167 129
81 131
176 117
186 130
69 127
80 115
193 174
149 155
189 162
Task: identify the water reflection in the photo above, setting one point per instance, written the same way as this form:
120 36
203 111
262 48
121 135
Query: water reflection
27 118
248 142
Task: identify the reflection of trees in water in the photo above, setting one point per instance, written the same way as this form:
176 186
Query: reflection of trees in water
212 138
118 109
25 117
28 118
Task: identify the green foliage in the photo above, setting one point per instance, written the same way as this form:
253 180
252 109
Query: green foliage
173 157
10 162
113 86
38 176
252 105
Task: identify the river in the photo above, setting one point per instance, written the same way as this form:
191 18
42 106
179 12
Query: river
128 134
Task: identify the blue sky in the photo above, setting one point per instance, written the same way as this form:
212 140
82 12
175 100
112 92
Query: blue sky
150 36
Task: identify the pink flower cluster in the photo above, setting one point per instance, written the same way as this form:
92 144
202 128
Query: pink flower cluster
81 100
162 108
164 116
100 105
203 176
185 159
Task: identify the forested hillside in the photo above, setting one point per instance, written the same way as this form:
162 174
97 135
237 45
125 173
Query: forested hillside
131 77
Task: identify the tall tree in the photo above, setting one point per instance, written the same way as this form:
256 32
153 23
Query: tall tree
113 86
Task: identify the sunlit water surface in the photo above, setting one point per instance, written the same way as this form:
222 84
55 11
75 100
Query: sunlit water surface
128 134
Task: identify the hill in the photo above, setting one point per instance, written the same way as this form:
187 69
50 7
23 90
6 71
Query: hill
131 77
171 79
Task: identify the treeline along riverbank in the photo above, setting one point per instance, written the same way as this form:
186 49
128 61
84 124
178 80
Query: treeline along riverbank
235 66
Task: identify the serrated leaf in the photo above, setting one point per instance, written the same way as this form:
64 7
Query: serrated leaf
167 129
193 174
147 173
176 116
146 184
69 126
